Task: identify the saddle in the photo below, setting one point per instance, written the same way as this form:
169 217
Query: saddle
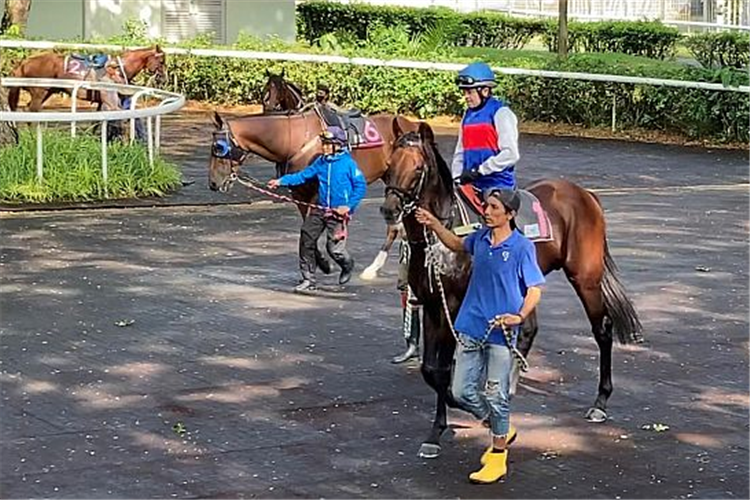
531 220
361 132
94 61
85 66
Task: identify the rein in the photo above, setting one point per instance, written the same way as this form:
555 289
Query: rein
255 185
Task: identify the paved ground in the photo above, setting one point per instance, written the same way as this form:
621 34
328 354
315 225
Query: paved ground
286 396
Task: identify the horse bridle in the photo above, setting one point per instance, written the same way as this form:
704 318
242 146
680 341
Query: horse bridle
409 198
225 147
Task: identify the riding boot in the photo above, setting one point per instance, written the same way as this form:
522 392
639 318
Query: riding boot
495 468
412 341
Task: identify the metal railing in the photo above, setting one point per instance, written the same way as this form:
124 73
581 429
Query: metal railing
169 102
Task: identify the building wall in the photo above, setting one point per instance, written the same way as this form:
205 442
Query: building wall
261 18
55 19
105 18
86 19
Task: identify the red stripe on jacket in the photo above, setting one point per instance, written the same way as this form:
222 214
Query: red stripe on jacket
479 136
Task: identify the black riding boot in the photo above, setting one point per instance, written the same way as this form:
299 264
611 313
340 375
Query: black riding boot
412 341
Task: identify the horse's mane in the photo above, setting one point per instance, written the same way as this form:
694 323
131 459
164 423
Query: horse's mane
432 155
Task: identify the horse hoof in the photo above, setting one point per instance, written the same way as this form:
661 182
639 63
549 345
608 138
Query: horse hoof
368 274
596 415
429 450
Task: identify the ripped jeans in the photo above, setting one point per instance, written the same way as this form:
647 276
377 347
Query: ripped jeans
481 382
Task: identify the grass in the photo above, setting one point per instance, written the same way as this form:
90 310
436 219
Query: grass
72 170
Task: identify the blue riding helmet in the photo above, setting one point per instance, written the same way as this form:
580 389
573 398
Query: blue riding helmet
478 74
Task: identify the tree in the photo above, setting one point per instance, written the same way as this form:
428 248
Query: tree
562 29
16 14
8 132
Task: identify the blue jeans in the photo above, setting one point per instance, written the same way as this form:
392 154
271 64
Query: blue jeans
481 382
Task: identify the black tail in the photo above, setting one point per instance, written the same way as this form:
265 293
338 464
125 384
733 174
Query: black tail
620 310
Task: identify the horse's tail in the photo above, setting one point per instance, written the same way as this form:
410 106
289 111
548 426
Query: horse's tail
620 309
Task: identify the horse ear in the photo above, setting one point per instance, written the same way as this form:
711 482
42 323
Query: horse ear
268 74
426 133
397 130
157 48
218 121
283 72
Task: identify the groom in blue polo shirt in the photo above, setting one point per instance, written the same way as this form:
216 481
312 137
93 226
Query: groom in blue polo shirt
505 282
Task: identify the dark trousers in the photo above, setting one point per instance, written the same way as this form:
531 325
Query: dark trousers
314 225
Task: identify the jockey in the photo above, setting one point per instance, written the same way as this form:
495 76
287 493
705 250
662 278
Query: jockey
487 148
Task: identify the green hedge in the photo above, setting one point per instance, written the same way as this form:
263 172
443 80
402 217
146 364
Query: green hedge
316 19
721 50
639 38
698 114
489 29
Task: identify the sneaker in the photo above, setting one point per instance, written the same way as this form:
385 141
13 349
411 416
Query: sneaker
346 273
305 286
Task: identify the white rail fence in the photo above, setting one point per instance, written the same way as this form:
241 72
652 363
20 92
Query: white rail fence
169 102
394 63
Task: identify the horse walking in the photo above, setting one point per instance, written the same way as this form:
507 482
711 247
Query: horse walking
420 177
53 65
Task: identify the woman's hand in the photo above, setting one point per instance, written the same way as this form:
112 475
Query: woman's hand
273 184
425 218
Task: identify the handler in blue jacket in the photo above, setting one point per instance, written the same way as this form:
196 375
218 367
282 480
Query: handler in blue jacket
341 186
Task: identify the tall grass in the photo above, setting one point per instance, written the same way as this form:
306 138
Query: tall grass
73 170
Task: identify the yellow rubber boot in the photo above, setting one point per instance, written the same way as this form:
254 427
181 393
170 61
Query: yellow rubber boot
512 435
493 470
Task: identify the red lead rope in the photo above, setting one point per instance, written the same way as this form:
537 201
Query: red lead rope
255 186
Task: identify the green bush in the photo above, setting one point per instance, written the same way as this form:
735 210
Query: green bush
728 49
489 29
639 38
72 170
698 114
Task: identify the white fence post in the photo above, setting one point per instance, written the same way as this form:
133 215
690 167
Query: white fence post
39 153
150 133
614 111
105 172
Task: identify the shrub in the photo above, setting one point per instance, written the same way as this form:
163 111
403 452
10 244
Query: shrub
720 50
489 29
72 170
639 38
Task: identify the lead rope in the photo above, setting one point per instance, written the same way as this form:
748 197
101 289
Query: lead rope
434 273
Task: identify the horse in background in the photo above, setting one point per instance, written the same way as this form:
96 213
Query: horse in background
60 66
419 176
280 95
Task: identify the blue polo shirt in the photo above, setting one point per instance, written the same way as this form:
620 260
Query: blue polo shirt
500 277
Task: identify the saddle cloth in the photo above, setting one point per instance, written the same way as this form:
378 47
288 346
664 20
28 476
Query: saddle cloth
532 220
361 132
82 66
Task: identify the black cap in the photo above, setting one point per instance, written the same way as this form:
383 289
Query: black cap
508 197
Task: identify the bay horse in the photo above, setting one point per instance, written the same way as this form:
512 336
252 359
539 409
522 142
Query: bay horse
420 176
52 65
291 141
281 95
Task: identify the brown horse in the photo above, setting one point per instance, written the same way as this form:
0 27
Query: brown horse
291 141
52 65
420 176
281 95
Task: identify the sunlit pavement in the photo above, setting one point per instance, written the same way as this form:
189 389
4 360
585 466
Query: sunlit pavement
158 352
